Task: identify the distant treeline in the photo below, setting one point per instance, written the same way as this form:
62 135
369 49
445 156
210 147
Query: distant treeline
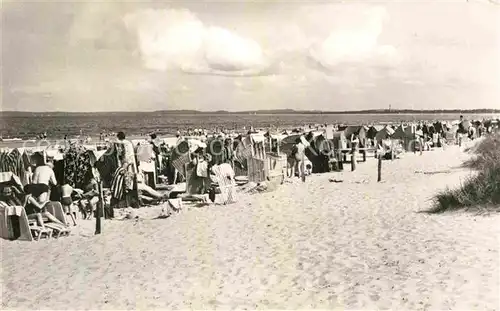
278 111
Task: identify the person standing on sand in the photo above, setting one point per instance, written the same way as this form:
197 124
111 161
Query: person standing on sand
298 153
156 149
461 131
128 156
67 201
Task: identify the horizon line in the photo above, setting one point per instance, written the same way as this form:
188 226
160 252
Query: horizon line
274 111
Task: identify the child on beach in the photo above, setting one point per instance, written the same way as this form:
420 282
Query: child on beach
67 201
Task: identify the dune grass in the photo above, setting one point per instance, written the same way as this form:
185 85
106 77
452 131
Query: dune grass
481 189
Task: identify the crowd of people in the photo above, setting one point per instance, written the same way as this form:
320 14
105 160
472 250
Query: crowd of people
83 197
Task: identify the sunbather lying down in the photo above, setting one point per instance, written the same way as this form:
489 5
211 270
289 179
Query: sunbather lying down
34 209
148 194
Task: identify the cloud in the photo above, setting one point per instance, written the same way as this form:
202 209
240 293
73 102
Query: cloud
227 51
176 39
172 39
355 44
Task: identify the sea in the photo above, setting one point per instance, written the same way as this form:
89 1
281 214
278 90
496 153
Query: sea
141 124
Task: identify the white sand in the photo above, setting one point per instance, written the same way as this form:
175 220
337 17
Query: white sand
357 245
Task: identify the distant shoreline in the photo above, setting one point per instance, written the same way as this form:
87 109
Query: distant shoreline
252 112
27 126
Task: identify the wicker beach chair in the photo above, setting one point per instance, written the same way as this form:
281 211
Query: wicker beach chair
14 222
224 178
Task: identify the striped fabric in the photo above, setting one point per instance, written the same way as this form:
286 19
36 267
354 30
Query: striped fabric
180 162
123 180
117 184
18 164
11 210
7 162
13 162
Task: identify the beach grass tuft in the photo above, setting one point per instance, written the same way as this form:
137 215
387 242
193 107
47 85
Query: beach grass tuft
481 189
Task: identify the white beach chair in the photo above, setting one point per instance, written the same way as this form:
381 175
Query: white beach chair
224 177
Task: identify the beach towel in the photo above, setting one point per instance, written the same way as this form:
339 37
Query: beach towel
77 162
180 156
9 227
12 162
107 165
180 161
118 183
202 169
18 167
127 154
11 210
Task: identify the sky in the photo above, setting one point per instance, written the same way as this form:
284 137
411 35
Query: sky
249 55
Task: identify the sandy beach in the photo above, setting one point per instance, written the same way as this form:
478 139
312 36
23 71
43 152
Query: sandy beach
357 244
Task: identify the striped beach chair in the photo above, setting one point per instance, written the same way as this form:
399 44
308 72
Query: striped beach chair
224 177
